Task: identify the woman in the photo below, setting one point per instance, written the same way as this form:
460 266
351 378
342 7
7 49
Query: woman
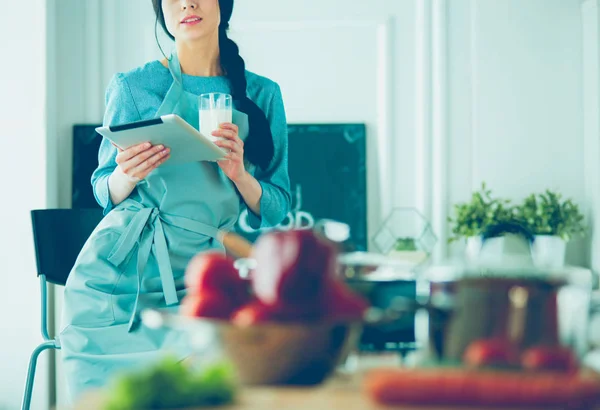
158 218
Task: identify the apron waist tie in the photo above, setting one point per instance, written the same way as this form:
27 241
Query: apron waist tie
147 228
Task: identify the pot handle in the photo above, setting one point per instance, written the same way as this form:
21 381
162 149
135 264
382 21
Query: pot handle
498 229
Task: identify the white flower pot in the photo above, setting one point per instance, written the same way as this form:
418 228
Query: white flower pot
411 257
549 251
498 250
472 248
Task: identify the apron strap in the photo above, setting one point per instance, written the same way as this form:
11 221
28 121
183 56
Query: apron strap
190 225
142 260
175 68
175 92
146 229
161 251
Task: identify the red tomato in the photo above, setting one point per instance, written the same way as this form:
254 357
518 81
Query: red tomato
207 305
340 302
490 352
252 313
292 267
213 272
258 312
556 358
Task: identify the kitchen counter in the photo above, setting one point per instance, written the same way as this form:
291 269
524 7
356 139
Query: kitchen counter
339 393
336 395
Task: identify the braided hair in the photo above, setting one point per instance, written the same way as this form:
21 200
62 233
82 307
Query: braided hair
258 147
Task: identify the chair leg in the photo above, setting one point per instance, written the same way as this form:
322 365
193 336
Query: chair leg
31 372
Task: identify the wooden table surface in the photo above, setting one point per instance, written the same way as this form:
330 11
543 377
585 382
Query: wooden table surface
338 393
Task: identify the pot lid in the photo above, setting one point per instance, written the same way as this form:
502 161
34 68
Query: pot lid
378 267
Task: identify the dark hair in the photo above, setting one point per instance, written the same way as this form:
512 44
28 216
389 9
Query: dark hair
258 147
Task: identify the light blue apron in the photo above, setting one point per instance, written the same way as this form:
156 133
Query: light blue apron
137 256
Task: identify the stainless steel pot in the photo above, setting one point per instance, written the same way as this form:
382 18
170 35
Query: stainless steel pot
383 280
502 295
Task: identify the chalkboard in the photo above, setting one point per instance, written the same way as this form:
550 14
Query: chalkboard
330 182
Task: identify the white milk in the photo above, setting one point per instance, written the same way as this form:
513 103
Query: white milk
210 120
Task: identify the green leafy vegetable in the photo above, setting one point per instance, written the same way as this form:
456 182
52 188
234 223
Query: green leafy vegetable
171 384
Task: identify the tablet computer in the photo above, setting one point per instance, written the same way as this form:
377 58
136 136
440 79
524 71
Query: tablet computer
186 143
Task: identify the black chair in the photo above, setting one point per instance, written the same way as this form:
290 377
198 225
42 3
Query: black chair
59 235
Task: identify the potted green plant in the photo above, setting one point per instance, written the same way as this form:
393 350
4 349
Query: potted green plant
554 222
405 244
405 235
472 218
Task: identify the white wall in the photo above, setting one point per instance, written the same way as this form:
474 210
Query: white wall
590 12
23 179
516 99
481 90
497 83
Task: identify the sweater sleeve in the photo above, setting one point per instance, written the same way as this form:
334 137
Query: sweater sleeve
275 201
120 109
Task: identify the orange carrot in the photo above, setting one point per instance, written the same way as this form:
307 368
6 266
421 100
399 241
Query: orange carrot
467 387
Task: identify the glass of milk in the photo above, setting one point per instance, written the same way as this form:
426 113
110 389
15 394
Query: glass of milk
215 109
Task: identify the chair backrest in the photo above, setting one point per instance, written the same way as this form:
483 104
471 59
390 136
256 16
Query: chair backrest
59 235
